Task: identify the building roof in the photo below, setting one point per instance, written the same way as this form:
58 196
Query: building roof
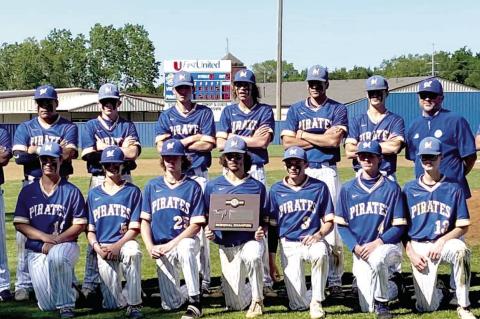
235 61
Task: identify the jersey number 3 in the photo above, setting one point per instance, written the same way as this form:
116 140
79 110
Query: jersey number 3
441 227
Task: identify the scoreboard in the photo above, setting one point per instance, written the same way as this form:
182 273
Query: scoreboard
212 79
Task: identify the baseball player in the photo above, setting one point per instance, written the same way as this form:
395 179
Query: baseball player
113 223
371 217
318 125
99 133
193 125
254 123
48 126
438 220
458 144
5 155
240 251
173 211
51 213
301 216
377 124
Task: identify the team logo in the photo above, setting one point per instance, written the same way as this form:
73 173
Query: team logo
427 84
48 147
235 202
316 71
181 77
416 136
428 145
293 152
243 74
438 133
170 146
110 153
43 91
373 81
108 89
367 144
233 143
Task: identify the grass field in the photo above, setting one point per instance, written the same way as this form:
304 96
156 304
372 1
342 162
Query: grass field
275 308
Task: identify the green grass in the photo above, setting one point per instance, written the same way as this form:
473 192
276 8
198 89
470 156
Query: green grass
214 306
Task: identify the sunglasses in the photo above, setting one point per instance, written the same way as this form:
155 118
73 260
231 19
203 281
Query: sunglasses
317 85
109 102
48 160
429 157
46 104
106 165
242 84
428 95
375 93
233 156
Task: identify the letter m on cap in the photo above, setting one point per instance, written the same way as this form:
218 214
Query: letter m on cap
428 145
48 147
427 84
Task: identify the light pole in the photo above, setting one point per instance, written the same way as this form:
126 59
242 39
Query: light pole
279 62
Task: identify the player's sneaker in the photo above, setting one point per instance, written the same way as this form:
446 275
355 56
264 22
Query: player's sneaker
465 313
336 292
193 311
6 295
269 292
134 312
255 309
66 312
382 311
22 294
316 310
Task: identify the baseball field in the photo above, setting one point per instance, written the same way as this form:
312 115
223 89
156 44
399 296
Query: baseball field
213 305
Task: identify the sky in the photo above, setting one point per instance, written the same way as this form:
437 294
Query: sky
332 33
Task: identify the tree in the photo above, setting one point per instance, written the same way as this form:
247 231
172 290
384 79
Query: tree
266 71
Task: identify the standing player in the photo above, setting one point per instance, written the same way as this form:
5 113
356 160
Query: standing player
49 126
371 219
173 212
438 220
377 124
5 155
113 223
301 216
240 252
99 133
193 125
51 213
318 125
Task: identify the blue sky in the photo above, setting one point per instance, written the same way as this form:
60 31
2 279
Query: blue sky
332 33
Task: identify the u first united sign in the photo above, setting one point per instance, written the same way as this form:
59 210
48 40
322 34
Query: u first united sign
212 78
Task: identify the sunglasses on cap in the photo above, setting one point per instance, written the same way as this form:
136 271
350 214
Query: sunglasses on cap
233 156
428 95
429 157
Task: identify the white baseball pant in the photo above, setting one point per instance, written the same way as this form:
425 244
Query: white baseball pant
111 273
293 256
454 252
183 256
4 271
238 263
53 275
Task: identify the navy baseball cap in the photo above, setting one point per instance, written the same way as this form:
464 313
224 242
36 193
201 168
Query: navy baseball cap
244 76
182 78
430 146
172 147
108 91
50 149
372 147
45 92
295 152
235 144
317 73
112 154
431 85
376 82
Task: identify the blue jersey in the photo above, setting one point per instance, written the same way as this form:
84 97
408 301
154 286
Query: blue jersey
434 210
50 213
37 132
302 116
236 120
457 140
110 216
249 185
174 124
369 209
171 209
389 127
299 210
110 133
6 144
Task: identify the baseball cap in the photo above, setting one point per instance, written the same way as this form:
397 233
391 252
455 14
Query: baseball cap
112 154
376 82
108 91
431 85
172 147
317 73
244 76
46 92
182 78
235 145
50 149
430 146
372 147
295 152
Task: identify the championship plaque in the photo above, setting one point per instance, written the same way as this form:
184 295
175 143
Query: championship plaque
234 212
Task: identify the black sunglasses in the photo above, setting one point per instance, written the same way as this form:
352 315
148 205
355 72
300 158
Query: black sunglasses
111 102
375 93
233 156
428 95
429 157
46 104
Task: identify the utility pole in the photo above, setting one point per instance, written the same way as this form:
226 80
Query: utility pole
433 59
279 62
228 49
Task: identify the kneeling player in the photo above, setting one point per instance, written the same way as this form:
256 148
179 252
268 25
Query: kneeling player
114 222
438 220
172 215
371 218
301 216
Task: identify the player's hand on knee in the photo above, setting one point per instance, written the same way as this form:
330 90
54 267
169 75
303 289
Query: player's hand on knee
419 262
49 238
154 252
311 239
165 248
46 248
436 250
370 247
260 233
209 234
358 250
113 251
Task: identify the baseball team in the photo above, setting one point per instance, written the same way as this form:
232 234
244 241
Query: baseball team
308 216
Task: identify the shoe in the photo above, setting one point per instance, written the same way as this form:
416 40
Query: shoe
382 311
193 311
205 292
269 292
6 295
22 294
397 279
255 309
336 292
134 312
316 310
465 313
67 312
